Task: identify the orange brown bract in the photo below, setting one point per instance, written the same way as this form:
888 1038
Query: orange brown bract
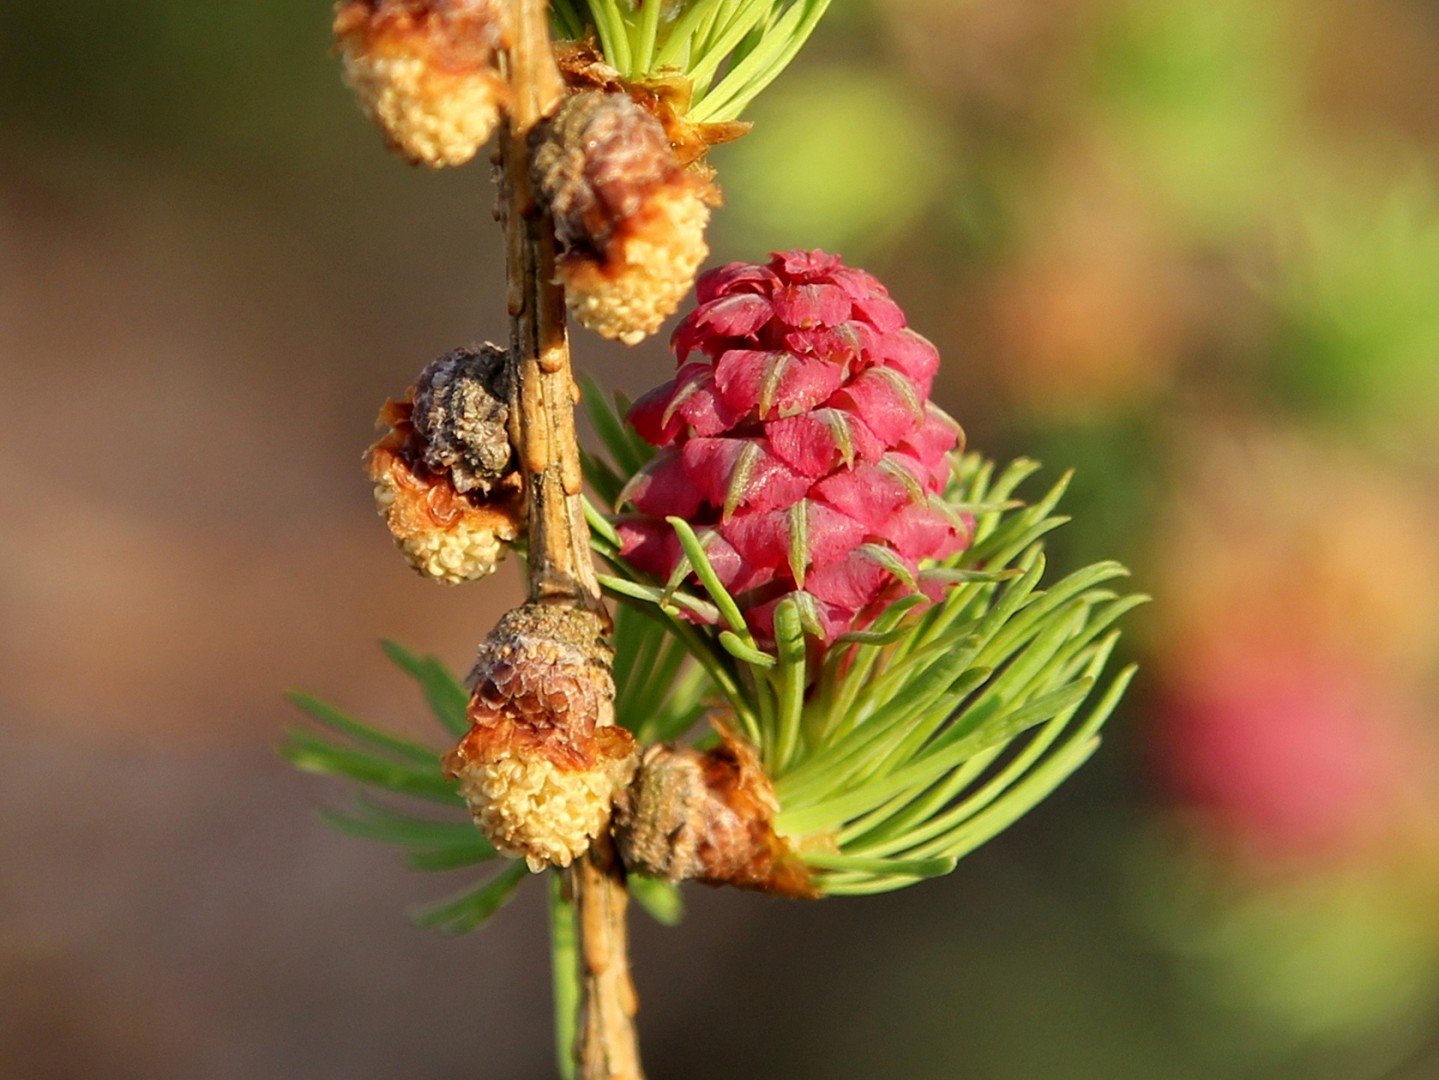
542 760
425 72
692 815
444 534
629 216
666 99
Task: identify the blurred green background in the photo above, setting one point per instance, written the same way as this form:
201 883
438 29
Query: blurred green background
1190 247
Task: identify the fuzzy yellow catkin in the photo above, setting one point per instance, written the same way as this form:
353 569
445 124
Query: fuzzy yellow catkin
531 808
467 548
425 72
630 218
543 759
444 473
647 274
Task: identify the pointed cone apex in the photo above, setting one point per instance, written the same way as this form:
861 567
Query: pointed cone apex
801 418
799 550
543 759
630 218
425 72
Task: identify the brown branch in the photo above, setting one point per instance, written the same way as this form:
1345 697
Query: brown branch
606 1045
559 566
559 562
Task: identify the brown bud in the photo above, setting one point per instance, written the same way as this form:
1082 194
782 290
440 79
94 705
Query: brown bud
461 415
425 72
708 816
630 218
444 474
543 759
667 98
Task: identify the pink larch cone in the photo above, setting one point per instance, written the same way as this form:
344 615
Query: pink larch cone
799 440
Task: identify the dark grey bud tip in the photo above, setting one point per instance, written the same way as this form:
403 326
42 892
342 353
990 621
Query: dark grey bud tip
461 412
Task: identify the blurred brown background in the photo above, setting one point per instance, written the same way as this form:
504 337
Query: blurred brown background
1189 246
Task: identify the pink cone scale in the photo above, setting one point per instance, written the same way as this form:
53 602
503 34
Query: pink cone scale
798 439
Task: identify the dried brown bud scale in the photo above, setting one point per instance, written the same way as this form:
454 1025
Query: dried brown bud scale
691 815
444 473
630 218
425 72
461 412
543 759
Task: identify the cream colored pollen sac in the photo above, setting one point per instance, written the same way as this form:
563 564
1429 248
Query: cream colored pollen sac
432 118
464 551
645 282
530 808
